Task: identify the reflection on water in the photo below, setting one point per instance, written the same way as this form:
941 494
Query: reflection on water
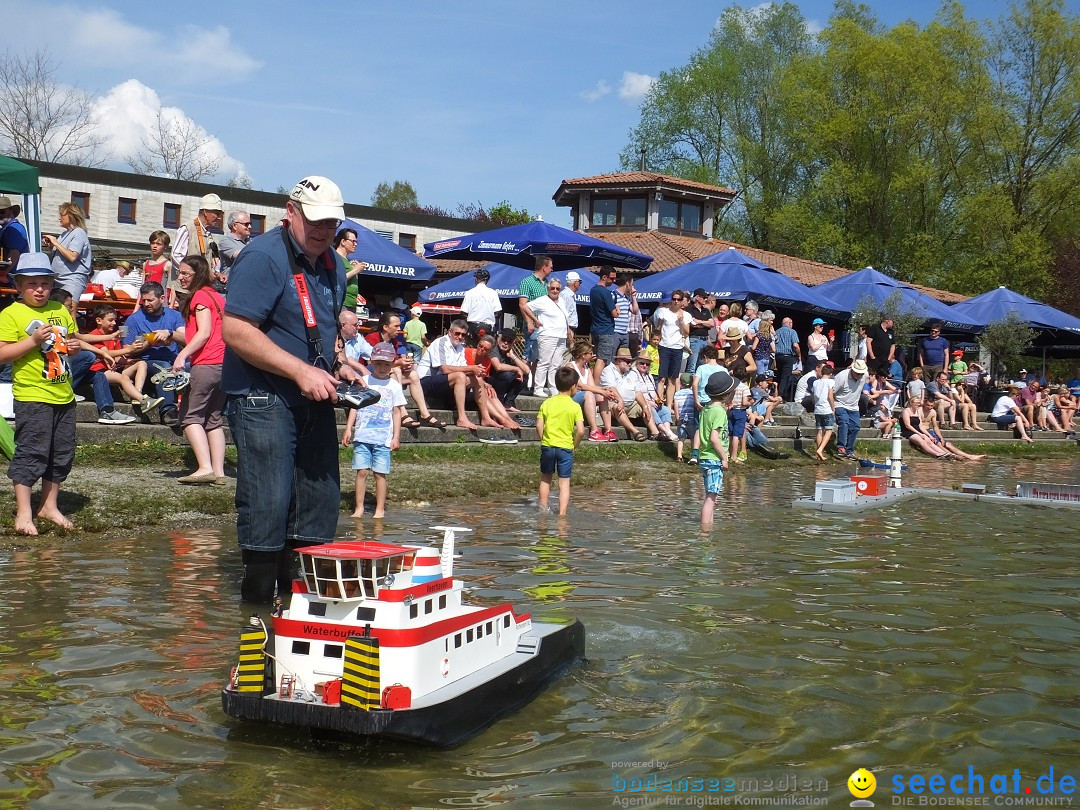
784 645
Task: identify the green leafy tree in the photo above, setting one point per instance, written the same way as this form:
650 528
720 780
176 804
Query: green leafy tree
722 118
1005 341
907 320
397 196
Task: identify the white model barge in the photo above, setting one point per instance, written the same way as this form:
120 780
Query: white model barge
376 641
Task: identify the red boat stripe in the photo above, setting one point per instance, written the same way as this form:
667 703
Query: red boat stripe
390 637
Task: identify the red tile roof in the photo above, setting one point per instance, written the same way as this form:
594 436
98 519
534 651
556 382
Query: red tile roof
650 179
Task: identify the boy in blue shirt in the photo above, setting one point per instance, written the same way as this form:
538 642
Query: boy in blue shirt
560 424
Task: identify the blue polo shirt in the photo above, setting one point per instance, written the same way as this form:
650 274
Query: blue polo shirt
601 305
262 289
138 323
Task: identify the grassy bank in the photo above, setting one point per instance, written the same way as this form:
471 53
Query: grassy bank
124 487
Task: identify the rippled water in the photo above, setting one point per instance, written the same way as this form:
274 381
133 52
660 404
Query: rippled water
930 636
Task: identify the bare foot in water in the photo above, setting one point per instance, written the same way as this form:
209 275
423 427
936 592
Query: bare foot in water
25 526
57 518
359 513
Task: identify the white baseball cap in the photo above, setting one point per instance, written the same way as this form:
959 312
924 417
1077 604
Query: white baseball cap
211 202
319 198
572 276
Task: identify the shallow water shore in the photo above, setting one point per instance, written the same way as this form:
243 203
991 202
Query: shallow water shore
121 488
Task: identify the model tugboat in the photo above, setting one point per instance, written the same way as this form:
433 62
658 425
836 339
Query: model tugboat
376 641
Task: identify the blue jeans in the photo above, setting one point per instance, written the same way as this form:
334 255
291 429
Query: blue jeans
288 484
103 397
80 363
847 428
152 368
696 345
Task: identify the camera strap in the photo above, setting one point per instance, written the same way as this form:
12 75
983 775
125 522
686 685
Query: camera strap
307 308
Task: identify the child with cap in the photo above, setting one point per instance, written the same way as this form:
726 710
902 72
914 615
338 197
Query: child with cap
36 335
375 431
415 334
715 436
957 368
560 425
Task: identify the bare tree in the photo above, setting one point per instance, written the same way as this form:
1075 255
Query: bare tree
42 119
176 148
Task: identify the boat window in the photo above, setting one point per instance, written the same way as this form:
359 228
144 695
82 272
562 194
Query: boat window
506 620
301 647
332 650
414 610
457 640
468 636
316 608
365 614
489 628
427 606
442 602
480 631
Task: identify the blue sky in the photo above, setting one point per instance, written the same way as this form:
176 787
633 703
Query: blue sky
470 102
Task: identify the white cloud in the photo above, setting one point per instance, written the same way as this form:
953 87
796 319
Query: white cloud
634 86
601 89
102 37
128 113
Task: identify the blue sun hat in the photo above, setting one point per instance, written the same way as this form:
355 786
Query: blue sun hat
817 321
34 264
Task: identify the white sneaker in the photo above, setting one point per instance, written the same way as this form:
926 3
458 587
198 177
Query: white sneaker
150 403
115 418
80 398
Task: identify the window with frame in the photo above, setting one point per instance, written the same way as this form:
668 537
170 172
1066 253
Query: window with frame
619 212
82 199
680 216
170 217
258 224
407 241
125 210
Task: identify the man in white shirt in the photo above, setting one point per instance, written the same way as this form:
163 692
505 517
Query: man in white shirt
620 377
444 372
108 278
569 301
357 349
481 306
847 390
803 387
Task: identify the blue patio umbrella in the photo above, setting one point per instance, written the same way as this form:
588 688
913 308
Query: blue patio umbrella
518 245
732 275
386 259
849 290
504 281
998 304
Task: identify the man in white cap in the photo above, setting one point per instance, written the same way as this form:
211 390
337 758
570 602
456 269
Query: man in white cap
848 391
280 375
194 238
13 240
568 300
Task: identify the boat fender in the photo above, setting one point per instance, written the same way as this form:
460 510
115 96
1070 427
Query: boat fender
397 696
445 667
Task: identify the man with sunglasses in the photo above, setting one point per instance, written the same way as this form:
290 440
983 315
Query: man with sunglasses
280 375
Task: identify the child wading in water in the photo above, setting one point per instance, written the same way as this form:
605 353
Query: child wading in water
715 436
36 335
560 425
375 431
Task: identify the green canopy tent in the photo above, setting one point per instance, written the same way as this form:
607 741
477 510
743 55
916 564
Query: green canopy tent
20 179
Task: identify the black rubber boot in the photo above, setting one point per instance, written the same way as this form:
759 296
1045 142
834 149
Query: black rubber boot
260 575
287 571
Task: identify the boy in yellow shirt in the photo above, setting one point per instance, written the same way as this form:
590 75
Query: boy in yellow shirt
36 335
560 426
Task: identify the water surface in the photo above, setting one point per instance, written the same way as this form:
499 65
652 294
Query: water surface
930 636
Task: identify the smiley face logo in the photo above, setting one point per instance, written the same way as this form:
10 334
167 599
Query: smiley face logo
862 783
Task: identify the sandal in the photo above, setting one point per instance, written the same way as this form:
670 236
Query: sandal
638 436
431 421
410 423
